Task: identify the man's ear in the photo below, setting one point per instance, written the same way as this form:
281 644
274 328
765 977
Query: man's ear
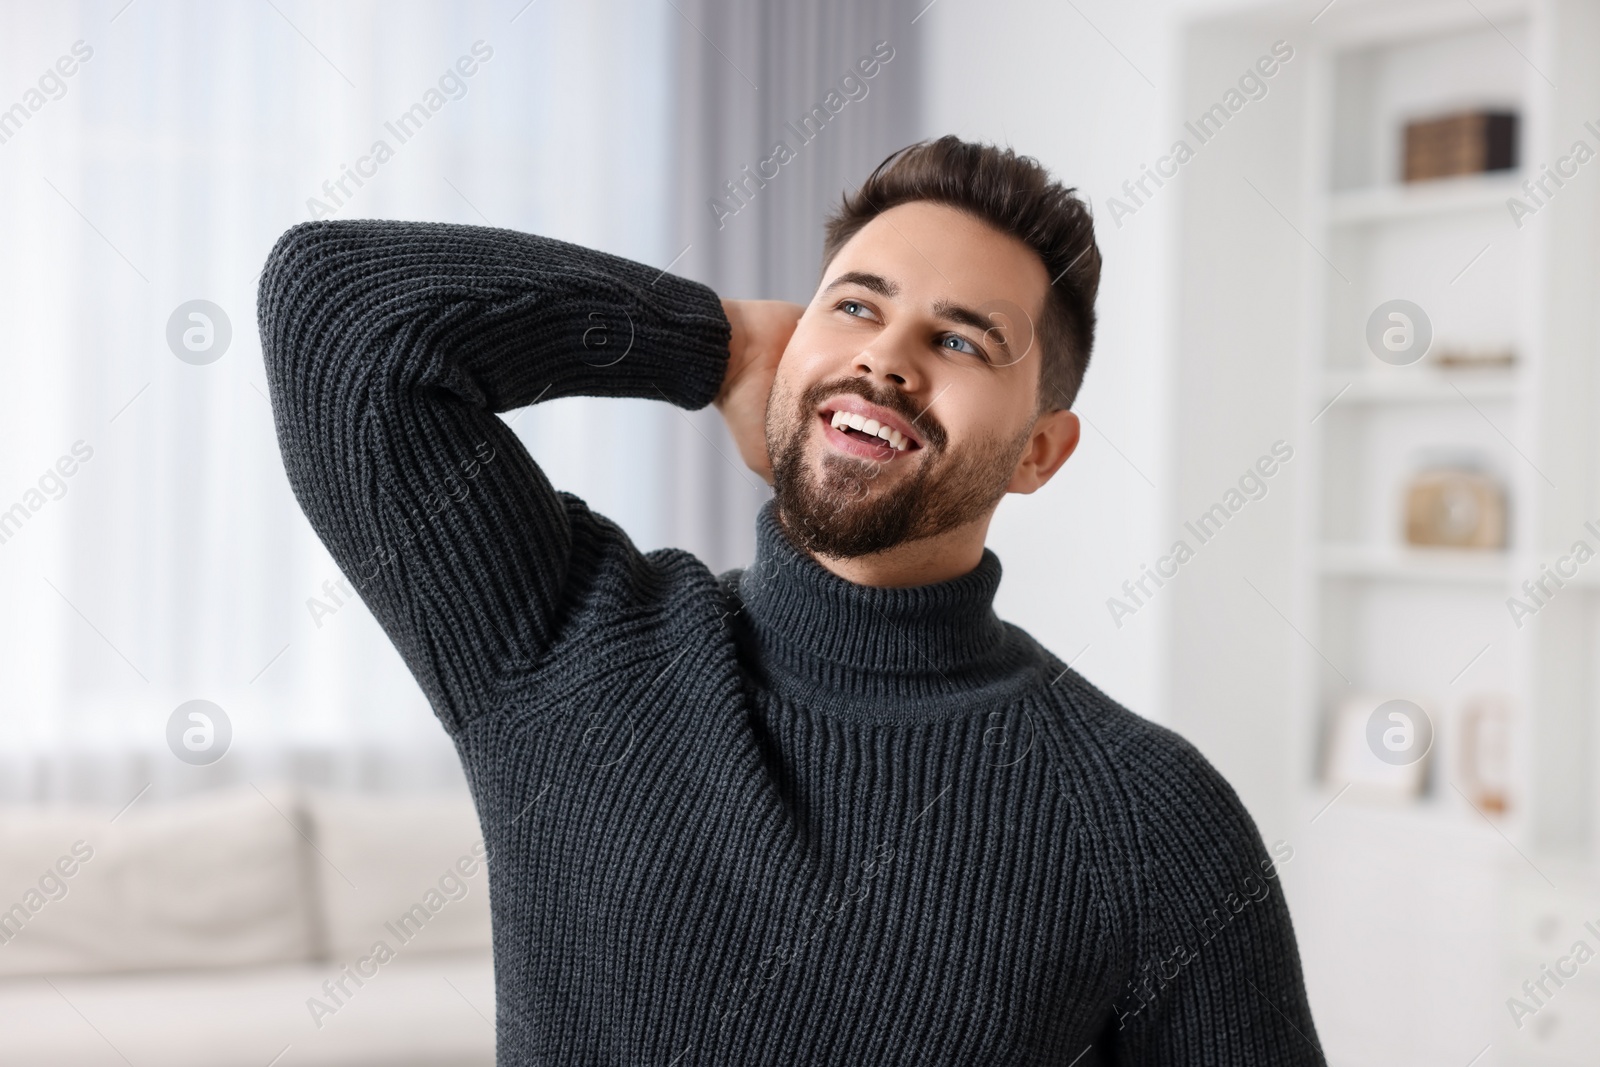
1054 439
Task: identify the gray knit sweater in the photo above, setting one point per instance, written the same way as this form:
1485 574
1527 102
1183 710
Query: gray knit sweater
767 817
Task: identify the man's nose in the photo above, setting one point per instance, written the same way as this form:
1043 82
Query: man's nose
892 357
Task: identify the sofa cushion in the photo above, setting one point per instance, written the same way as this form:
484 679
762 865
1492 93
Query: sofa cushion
214 880
407 871
418 1010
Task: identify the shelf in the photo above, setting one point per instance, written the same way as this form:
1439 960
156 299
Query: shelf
1424 386
1412 821
1442 196
1461 566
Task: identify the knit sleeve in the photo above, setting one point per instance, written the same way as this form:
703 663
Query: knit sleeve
390 347
1217 976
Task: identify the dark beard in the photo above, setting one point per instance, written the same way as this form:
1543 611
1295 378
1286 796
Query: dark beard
837 515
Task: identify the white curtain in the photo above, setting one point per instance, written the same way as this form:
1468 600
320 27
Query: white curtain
173 563
749 76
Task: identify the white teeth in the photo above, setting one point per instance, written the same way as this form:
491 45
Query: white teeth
897 440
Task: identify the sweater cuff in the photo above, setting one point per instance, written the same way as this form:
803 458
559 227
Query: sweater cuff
696 362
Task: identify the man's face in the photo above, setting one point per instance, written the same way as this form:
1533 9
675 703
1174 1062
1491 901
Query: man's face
924 324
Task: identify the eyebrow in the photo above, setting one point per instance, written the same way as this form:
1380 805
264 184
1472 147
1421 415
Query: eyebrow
876 283
965 316
942 309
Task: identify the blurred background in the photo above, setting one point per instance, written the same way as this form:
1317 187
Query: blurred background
1335 517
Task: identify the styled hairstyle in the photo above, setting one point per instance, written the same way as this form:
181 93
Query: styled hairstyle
1017 196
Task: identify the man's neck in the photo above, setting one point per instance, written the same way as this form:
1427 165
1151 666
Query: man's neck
933 559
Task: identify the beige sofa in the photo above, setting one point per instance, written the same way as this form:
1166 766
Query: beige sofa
253 926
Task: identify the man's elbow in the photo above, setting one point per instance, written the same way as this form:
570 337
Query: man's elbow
293 287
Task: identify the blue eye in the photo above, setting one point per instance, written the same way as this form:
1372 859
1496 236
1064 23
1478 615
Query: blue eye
846 305
969 349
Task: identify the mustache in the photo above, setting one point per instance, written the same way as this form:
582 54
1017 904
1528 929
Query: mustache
933 434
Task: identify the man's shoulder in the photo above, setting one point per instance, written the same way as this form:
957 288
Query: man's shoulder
1158 809
1123 736
1155 773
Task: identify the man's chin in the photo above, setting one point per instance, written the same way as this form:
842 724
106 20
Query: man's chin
837 504
846 482
846 521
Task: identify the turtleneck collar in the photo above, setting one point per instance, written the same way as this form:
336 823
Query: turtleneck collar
886 653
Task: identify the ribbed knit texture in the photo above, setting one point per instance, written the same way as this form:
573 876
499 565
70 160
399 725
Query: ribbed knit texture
770 817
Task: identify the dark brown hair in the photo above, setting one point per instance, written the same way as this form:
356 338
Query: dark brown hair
1017 196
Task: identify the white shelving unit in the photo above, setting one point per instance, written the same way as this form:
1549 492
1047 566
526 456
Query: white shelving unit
1388 202
1418 919
1391 614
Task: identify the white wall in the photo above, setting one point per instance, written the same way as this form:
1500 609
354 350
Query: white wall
1088 96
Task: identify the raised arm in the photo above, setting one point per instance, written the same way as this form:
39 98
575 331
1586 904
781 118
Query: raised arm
389 348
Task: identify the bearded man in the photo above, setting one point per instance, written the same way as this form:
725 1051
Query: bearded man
857 818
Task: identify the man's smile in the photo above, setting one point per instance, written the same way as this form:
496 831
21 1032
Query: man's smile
861 428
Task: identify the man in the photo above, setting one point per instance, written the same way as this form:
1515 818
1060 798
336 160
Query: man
828 809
